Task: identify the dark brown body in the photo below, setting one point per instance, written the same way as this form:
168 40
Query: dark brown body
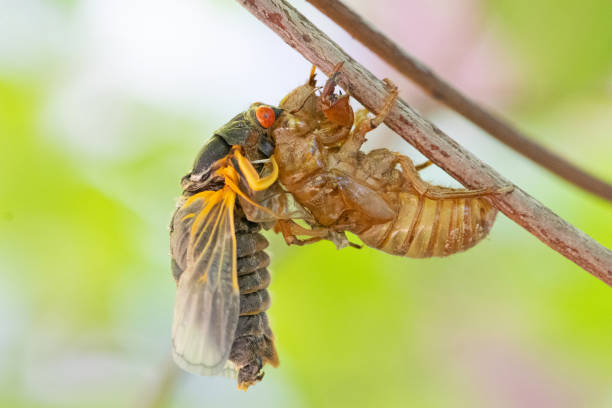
254 342
377 195
218 260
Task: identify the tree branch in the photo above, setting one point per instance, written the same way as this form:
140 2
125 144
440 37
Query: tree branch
439 89
317 48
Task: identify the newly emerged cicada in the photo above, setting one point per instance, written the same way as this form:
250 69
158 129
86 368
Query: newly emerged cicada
302 161
218 259
379 196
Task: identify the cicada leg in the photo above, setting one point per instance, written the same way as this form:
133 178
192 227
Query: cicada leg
438 193
338 113
290 230
423 166
365 124
410 173
272 205
311 78
254 181
328 98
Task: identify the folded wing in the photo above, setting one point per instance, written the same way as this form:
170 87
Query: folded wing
203 245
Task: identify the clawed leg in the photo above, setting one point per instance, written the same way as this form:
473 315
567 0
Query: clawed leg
440 193
336 108
423 166
290 229
311 78
365 124
410 173
328 98
389 102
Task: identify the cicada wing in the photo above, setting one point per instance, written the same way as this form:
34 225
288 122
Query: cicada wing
368 201
207 300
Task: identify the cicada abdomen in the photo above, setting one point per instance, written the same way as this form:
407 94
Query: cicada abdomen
253 342
424 227
220 325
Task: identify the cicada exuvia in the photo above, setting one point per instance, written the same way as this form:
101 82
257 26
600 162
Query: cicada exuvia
314 171
379 195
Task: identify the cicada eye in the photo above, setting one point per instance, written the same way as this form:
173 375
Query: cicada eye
265 116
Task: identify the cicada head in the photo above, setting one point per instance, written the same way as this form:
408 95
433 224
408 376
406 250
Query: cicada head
249 129
263 117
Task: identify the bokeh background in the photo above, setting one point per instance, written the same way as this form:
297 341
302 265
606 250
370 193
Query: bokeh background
104 105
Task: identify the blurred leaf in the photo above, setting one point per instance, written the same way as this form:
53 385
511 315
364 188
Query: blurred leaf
564 46
67 241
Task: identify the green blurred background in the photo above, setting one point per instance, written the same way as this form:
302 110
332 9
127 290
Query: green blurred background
104 105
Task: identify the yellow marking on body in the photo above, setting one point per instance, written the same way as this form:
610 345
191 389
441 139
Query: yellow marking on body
229 173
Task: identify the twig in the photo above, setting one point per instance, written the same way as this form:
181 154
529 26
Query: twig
317 48
439 89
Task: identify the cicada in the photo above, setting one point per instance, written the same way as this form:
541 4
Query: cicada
301 161
379 195
218 260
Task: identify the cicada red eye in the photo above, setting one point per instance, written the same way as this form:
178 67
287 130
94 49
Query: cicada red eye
265 116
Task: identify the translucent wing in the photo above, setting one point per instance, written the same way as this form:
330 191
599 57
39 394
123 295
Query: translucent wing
203 245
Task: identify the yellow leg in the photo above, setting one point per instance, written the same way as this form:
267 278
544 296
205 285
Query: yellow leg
250 174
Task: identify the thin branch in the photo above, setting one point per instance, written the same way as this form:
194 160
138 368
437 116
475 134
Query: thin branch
439 89
317 48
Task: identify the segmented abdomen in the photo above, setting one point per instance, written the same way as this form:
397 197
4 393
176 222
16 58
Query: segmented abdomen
254 342
424 227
